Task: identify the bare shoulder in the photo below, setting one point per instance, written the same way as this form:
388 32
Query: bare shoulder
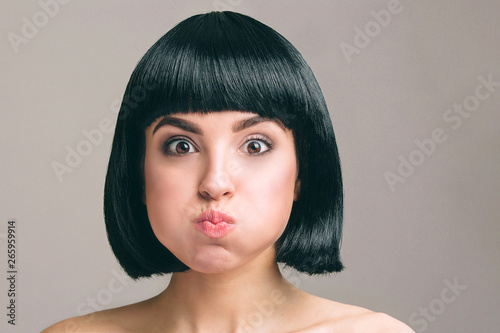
85 323
339 317
94 322
380 322
118 320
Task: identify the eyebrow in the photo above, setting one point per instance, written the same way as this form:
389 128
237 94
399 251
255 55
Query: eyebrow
249 122
180 123
193 128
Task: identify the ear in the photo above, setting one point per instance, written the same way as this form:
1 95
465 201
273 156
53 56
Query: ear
296 191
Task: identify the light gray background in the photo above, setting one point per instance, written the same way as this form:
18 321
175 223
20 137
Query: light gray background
400 247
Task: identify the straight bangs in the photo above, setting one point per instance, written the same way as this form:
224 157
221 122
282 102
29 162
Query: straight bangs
218 62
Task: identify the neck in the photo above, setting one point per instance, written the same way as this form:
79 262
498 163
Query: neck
242 300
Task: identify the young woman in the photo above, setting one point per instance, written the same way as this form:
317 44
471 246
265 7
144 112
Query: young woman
224 163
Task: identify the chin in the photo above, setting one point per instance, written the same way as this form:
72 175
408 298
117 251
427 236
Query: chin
212 267
212 261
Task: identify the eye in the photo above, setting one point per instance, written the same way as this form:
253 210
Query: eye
257 146
178 147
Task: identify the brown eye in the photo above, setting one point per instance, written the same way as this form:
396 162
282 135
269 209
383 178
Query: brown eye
178 147
257 146
182 148
253 147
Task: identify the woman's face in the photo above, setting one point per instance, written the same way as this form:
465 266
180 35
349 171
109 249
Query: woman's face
219 187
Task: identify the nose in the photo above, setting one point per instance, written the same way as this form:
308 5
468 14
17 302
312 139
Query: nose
216 183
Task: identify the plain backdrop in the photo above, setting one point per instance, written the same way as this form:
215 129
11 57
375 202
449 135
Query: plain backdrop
422 234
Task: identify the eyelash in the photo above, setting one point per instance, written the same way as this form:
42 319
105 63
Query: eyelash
268 142
167 143
173 139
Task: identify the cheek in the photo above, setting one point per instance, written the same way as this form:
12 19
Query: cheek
170 204
277 187
166 192
270 193
158 188
167 181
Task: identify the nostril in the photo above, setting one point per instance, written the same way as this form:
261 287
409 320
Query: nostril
206 195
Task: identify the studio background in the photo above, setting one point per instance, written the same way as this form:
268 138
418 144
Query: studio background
421 232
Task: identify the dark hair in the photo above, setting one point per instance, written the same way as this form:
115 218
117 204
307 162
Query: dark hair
215 62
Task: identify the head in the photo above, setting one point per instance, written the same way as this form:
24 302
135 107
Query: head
229 63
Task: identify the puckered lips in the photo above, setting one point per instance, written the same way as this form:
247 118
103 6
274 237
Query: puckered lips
214 223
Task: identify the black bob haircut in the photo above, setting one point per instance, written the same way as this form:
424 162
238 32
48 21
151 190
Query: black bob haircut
223 61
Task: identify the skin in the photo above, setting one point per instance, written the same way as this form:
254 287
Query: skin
195 162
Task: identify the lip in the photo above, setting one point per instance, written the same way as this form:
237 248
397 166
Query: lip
214 223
